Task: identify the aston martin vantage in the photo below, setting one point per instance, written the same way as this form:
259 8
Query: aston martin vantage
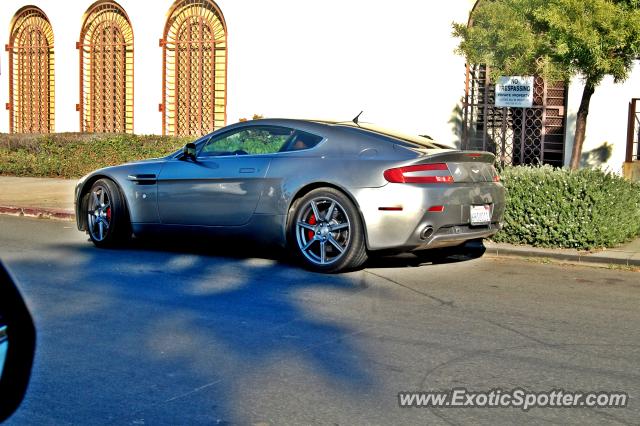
332 193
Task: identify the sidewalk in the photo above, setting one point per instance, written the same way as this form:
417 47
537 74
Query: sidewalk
626 255
53 198
37 197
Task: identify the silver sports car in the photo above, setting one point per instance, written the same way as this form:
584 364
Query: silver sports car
332 192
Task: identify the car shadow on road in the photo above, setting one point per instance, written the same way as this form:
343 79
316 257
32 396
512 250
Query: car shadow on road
469 251
181 334
244 249
229 247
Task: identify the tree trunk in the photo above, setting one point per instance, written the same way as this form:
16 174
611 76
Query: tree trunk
581 124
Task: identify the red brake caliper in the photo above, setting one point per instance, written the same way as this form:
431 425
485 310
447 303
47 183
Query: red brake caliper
312 221
109 214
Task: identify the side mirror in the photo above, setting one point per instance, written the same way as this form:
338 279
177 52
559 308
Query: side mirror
189 151
17 346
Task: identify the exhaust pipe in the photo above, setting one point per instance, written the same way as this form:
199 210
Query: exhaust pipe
426 233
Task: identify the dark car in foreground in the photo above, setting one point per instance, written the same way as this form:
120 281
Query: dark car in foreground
17 345
332 192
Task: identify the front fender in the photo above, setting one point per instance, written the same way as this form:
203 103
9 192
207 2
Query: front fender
140 196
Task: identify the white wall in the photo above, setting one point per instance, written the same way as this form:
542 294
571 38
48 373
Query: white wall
65 89
66 19
332 59
287 58
290 58
607 119
147 19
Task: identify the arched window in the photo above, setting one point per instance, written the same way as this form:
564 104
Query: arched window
106 68
194 56
31 82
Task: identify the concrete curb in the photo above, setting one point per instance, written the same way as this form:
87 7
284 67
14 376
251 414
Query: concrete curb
492 249
38 212
618 258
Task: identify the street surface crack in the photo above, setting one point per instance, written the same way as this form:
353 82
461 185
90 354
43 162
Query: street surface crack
442 302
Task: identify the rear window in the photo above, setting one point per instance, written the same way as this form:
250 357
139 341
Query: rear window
409 140
302 140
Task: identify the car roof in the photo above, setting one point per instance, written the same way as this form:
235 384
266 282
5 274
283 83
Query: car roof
362 126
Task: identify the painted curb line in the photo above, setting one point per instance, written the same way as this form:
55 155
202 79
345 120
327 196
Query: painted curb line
38 212
497 250
528 252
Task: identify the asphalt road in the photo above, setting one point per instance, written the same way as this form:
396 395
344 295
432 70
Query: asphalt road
159 334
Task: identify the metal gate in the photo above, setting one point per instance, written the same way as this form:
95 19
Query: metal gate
31 102
516 135
195 69
633 132
106 70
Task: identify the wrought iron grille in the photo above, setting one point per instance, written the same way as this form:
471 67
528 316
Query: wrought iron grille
633 132
106 69
31 72
516 135
194 47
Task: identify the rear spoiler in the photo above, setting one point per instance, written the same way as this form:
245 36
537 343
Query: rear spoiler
449 156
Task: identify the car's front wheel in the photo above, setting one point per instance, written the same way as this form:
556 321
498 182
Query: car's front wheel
325 231
107 218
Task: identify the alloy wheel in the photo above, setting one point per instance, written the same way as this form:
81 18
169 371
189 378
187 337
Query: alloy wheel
99 213
323 230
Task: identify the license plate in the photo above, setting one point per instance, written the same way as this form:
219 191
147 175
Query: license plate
480 215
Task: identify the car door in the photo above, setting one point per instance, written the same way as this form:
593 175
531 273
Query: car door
223 185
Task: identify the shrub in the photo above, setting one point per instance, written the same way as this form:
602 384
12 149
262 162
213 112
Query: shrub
71 155
588 208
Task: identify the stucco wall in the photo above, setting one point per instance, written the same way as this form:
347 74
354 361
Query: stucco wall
606 135
287 58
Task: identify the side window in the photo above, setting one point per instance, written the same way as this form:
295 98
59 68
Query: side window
248 141
302 140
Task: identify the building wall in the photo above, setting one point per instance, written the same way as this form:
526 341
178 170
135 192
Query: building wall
307 60
286 59
606 135
147 18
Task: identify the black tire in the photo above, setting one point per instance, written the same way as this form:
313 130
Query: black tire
105 204
343 247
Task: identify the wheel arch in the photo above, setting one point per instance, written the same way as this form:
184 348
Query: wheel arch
304 190
81 200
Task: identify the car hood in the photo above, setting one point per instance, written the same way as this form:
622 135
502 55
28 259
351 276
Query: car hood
147 166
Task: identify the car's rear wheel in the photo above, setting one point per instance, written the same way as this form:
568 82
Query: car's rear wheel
326 232
107 219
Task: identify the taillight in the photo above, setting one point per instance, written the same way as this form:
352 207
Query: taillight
496 176
420 173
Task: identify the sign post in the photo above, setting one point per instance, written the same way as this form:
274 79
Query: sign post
514 92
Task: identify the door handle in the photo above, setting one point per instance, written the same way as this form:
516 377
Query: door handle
247 170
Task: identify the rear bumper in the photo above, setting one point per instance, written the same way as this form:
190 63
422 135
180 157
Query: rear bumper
396 216
456 235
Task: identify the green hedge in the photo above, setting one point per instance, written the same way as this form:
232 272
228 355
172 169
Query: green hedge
546 207
549 207
72 155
